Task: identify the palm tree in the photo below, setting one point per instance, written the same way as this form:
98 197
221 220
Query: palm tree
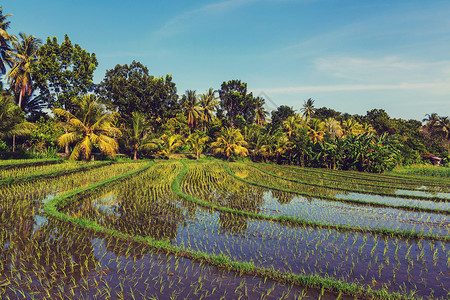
21 56
89 127
316 130
11 120
291 124
138 134
168 144
197 143
308 108
352 127
260 115
431 119
443 127
230 142
4 40
333 127
208 103
192 109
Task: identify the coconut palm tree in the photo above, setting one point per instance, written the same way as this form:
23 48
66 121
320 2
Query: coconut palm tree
89 127
4 40
431 120
139 132
443 127
197 143
352 127
22 54
167 144
208 104
333 127
230 142
260 115
192 109
316 130
11 120
308 108
291 124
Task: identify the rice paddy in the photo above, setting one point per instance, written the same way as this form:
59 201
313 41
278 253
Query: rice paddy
210 230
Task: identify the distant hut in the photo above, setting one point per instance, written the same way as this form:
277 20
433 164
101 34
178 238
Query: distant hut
436 161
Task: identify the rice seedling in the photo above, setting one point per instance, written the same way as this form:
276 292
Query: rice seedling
165 230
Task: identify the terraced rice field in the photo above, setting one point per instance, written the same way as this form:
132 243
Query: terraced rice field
210 229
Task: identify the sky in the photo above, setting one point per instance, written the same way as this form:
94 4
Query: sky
351 56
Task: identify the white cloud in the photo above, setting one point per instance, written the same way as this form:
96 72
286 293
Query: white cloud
180 23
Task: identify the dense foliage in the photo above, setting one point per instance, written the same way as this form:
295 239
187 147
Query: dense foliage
141 115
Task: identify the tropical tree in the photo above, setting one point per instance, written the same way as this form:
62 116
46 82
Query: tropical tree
308 108
168 144
21 56
260 115
208 103
443 127
11 120
138 134
4 40
316 130
236 102
198 143
230 142
63 72
431 119
291 124
91 126
352 127
333 127
192 109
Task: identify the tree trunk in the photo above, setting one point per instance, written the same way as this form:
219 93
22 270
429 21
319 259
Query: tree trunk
14 143
20 99
135 154
66 147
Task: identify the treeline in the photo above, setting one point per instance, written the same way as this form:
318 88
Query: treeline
53 105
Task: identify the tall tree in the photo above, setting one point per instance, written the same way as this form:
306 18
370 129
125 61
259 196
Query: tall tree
280 115
21 56
138 134
236 101
63 72
308 108
192 109
4 40
260 112
130 88
208 103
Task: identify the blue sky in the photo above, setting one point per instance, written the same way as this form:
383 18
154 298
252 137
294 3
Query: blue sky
351 56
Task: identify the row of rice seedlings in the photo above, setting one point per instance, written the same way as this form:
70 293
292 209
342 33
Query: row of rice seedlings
30 170
441 197
195 227
16 163
262 179
417 181
387 178
353 185
132 225
60 262
241 226
141 205
210 183
236 195
24 200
